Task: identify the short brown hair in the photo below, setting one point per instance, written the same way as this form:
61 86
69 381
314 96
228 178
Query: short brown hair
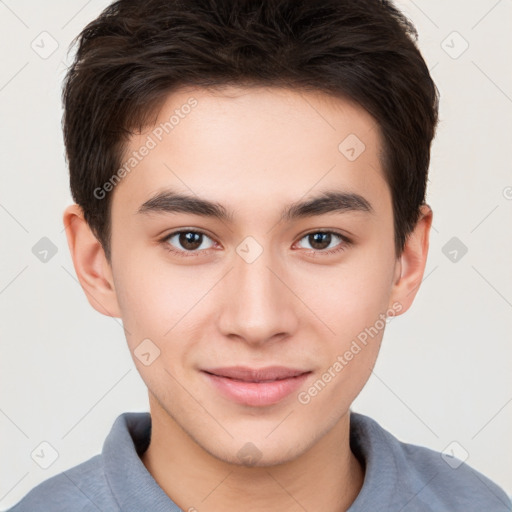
138 51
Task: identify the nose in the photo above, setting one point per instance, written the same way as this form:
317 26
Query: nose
258 304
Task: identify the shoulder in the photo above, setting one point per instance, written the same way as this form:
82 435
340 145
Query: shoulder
115 476
450 481
81 488
420 478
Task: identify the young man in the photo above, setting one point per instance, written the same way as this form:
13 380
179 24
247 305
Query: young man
250 180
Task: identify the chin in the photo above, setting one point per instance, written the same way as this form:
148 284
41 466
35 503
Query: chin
257 454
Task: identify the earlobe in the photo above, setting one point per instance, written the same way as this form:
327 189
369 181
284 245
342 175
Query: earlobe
413 259
90 263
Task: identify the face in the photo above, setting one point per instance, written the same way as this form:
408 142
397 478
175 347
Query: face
257 281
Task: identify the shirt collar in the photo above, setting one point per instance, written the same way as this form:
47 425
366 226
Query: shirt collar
131 483
135 489
369 443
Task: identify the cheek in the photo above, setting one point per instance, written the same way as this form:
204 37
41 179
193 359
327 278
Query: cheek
350 297
354 306
157 310
159 301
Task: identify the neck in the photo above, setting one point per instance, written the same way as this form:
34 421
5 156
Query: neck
327 477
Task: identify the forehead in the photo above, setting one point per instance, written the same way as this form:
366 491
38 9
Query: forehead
252 144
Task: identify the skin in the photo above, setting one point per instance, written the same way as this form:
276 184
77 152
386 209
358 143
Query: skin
254 150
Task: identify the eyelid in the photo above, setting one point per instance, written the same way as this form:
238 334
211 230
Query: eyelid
333 231
171 249
345 241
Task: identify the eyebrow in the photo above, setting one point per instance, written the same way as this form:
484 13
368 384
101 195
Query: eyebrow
330 201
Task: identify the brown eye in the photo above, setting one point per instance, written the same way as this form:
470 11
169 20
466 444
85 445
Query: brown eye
187 241
321 241
190 240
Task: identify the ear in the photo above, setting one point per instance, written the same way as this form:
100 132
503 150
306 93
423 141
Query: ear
91 266
411 264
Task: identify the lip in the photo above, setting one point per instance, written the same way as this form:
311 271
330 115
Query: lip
256 387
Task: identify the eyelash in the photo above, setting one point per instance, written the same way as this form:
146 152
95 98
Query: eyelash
341 247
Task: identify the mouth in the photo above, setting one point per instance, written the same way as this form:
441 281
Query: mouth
256 386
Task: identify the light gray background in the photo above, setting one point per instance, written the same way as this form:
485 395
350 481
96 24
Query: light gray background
444 372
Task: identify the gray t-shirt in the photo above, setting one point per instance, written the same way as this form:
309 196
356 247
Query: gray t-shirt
398 477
